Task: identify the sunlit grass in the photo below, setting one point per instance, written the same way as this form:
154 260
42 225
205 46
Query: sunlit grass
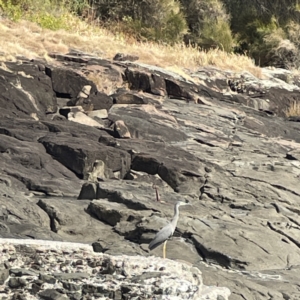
26 38
293 110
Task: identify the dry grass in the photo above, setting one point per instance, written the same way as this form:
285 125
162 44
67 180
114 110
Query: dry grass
28 39
293 110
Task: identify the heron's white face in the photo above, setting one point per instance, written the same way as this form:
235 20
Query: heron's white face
181 203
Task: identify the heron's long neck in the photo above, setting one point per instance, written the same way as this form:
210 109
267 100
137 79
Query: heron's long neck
176 215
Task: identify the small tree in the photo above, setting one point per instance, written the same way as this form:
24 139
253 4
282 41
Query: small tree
160 20
263 29
208 23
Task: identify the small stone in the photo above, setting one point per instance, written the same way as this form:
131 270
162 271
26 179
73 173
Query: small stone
107 267
52 294
85 92
75 296
99 113
92 264
71 276
125 289
18 296
13 257
16 282
19 272
35 288
38 282
79 262
4 273
47 278
118 295
121 129
64 111
97 247
125 57
88 191
72 287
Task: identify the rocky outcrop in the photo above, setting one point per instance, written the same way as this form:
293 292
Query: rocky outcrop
79 155
111 175
73 271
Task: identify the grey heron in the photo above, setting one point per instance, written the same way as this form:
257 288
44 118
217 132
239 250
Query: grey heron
166 232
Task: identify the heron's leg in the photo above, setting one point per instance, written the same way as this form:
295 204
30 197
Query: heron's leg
164 249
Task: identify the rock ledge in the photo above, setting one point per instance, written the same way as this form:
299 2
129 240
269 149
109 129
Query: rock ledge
36 269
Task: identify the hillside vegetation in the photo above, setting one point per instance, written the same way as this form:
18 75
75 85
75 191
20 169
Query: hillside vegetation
186 33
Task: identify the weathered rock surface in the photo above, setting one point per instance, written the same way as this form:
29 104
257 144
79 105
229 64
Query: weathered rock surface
73 271
79 154
218 140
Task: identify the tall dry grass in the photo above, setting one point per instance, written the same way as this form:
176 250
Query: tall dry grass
27 39
293 110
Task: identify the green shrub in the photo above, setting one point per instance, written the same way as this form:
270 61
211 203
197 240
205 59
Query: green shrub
216 35
266 30
158 20
265 51
293 32
49 21
263 40
11 9
47 13
208 23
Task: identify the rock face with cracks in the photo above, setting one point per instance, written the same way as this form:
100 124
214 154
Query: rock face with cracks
218 139
56 270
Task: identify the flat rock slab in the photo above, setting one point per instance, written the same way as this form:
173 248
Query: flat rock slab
146 122
80 154
36 172
30 90
239 244
180 169
137 196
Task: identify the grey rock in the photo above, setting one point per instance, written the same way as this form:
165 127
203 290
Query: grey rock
133 276
115 244
47 278
85 92
82 153
67 82
229 153
18 296
98 114
26 168
52 294
4 273
17 282
70 276
65 222
72 287
19 272
121 130
30 90
106 212
125 97
125 57
88 191
67 109
82 118
140 120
